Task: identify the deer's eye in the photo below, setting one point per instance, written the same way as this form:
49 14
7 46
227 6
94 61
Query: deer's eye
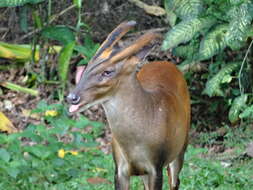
107 73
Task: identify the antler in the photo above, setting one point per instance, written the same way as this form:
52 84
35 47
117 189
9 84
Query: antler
134 48
107 46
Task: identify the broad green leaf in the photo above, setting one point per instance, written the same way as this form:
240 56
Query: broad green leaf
185 30
171 17
213 43
14 3
4 155
13 172
64 61
236 2
247 113
185 9
227 79
237 105
39 151
60 33
21 53
213 87
186 51
241 17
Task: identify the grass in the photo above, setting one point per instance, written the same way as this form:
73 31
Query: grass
198 173
30 160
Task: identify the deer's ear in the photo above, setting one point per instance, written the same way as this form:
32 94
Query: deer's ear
144 52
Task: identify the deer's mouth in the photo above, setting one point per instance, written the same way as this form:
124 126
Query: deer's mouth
74 108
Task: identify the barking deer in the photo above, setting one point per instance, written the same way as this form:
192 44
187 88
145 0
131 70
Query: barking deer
148 110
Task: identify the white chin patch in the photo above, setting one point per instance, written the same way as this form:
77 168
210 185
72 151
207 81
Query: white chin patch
73 108
80 107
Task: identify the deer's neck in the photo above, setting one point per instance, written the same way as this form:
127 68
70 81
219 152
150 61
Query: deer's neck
130 105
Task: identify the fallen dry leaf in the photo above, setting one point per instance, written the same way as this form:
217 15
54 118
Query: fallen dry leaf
6 124
97 180
28 113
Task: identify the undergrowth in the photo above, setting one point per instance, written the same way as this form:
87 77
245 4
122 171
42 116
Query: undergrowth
58 154
218 34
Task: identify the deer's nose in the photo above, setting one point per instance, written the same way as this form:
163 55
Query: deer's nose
73 98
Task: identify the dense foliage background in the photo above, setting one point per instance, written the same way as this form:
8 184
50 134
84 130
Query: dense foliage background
42 43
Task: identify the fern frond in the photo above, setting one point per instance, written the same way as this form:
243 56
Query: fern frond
213 43
239 25
185 9
185 30
213 85
237 105
14 3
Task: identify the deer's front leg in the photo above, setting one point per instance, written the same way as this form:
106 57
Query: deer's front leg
121 180
122 168
154 180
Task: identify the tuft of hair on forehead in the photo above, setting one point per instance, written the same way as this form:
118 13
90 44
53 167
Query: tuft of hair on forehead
106 49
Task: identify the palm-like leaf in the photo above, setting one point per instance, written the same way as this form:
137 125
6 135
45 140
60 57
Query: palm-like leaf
185 30
213 86
238 104
239 25
185 9
213 43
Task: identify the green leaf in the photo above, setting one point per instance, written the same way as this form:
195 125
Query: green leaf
60 33
236 2
185 9
18 88
23 22
238 104
78 3
213 43
4 155
64 61
39 151
186 51
185 31
14 3
13 172
213 85
171 17
87 50
227 79
241 17
247 113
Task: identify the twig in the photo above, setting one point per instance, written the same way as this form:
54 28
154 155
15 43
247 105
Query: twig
4 29
50 21
149 30
150 9
242 65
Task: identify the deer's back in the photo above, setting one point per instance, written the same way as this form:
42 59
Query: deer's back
165 76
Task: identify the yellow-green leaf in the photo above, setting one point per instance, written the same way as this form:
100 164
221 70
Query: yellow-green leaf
6 124
64 58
